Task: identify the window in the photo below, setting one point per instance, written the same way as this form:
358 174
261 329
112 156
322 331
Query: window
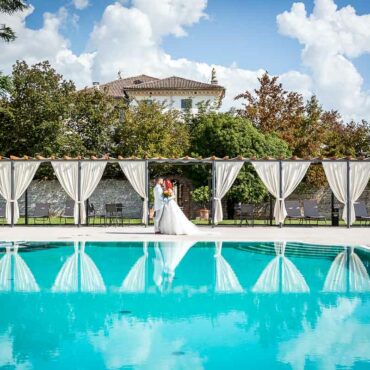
186 103
148 101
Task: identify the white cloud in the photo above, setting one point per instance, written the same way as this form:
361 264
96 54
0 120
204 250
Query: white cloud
128 39
44 43
129 35
337 339
81 4
331 38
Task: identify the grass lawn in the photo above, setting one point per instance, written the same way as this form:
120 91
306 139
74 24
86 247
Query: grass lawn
97 221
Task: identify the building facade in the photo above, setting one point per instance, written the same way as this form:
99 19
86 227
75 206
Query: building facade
174 92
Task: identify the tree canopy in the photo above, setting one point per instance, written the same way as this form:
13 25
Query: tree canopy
222 134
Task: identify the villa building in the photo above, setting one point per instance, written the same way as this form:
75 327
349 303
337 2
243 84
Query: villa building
175 92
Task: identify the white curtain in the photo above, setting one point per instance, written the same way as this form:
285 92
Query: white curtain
67 174
226 173
226 279
292 175
91 174
135 174
336 173
23 175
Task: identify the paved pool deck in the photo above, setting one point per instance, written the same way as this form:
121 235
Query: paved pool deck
318 235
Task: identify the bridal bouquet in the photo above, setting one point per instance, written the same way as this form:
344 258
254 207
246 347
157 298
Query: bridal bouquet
167 194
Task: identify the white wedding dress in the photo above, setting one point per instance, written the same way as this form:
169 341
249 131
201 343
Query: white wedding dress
174 222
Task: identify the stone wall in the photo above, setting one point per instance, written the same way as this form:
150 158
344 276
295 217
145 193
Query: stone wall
120 191
108 191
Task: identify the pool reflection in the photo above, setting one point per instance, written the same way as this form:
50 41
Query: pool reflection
173 305
226 279
15 275
134 282
79 273
347 274
281 275
154 269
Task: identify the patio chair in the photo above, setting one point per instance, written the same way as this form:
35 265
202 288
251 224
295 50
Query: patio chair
311 211
245 212
361 212
41 212
113 212
2 214
294 211
91 212
68 212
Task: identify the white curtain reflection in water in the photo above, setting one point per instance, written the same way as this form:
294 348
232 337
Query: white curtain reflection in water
281 275
347 273
168 256
79 273
135 279
15 274
226 279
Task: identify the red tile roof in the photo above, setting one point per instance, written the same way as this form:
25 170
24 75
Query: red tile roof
118 87
174 83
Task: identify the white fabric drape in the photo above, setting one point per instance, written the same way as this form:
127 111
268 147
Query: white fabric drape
67 174
91 174
226 173
226 279
23 175
336 174
135 174
292 175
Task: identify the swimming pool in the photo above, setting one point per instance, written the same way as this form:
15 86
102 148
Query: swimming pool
175 305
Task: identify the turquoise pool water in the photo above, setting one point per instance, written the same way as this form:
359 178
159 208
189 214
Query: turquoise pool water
183 306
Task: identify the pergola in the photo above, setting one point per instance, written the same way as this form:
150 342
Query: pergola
347 178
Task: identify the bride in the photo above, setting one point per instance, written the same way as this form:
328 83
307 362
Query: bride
173 221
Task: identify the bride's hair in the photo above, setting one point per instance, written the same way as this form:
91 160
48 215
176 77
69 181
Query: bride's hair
168 184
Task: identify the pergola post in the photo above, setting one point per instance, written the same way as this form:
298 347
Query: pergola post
280 185
79 192
213 192
348 194
12 192
26 207
147 189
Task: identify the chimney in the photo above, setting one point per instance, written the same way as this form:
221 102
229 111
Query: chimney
96 85
214 77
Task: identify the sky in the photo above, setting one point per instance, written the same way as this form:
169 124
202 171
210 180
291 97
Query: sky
317 47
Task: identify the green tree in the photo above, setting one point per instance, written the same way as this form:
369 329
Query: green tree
222 134
5 86
151 130
9 7
94 118
39 105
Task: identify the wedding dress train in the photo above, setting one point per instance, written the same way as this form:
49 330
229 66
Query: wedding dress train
174 222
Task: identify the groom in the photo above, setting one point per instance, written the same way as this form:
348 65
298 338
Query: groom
158 203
